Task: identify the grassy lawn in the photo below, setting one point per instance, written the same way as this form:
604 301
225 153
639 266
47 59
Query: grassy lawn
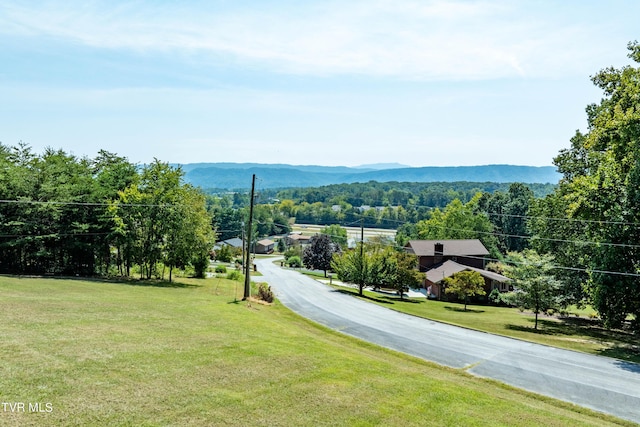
580 333
190 353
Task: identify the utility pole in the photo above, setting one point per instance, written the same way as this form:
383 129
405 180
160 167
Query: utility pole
247 269
244 247
361 254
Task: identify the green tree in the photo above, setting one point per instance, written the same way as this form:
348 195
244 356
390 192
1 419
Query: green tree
535 287
399 270
508 213
354 266
282 245
600 191
160 219
189 237
336 233
224 254
376 266
465 284
459 221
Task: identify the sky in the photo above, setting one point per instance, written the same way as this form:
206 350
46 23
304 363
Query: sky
415 82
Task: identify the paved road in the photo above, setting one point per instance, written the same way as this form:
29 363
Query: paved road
599 383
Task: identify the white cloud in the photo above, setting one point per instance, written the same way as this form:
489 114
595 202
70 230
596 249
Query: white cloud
417 40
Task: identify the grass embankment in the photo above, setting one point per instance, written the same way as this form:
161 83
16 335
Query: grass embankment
100 353
577 331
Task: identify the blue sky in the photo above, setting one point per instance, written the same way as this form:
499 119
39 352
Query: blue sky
422 83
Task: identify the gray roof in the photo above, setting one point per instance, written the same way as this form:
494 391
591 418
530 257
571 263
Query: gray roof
235 242
449 268
449 247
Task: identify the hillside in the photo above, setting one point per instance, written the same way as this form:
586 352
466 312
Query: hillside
238 175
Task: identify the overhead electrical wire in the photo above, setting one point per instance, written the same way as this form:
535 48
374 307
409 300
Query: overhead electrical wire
356 223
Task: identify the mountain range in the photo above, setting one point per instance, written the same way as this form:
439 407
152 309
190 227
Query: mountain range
238 175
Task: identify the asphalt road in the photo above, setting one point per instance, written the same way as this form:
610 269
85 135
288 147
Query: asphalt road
600 383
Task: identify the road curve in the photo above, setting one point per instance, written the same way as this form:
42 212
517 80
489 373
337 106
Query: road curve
600 383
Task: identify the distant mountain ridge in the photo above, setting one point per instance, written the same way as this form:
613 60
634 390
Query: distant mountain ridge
238 175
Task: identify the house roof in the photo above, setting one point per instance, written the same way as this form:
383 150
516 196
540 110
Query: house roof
299 237
235 242
449 268
449 247
265 242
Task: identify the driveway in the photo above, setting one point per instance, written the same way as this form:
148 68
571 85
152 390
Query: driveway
600 383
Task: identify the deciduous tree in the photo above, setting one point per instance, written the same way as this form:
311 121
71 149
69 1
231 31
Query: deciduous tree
535 287
600 193
465 284
319 253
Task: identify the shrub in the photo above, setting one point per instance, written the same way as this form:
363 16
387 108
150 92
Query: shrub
291 252
294 262
265 293
224 254
235 275
221 269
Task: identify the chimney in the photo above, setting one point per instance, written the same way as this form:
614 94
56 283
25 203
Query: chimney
438 252
438 249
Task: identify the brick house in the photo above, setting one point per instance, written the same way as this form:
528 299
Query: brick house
430 253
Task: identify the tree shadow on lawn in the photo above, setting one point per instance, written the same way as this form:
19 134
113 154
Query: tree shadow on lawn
620 344
462 310
403 300
154 283
355 294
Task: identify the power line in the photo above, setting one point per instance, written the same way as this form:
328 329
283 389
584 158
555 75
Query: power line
559 267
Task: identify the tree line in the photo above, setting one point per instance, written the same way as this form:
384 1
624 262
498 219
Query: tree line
583 237
64 215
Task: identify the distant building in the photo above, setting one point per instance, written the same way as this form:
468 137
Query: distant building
435 281
296 239
234 242
440 259
265 246
430 253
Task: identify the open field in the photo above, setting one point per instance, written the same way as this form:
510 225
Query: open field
352 232
189 353
574 332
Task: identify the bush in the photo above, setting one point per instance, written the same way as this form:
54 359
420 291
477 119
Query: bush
221 269
265 293
294 262
291 252
224 254
235 275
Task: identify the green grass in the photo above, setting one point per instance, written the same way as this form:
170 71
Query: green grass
191 354
579 333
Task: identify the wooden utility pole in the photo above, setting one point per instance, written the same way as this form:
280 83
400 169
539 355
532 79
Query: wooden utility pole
247 266
361 256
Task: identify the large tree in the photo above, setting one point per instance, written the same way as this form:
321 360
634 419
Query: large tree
535 287
464 285
319 253
459 221
336 233
508 213
600 192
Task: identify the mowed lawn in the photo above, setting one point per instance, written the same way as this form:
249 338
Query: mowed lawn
102 353
577 331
